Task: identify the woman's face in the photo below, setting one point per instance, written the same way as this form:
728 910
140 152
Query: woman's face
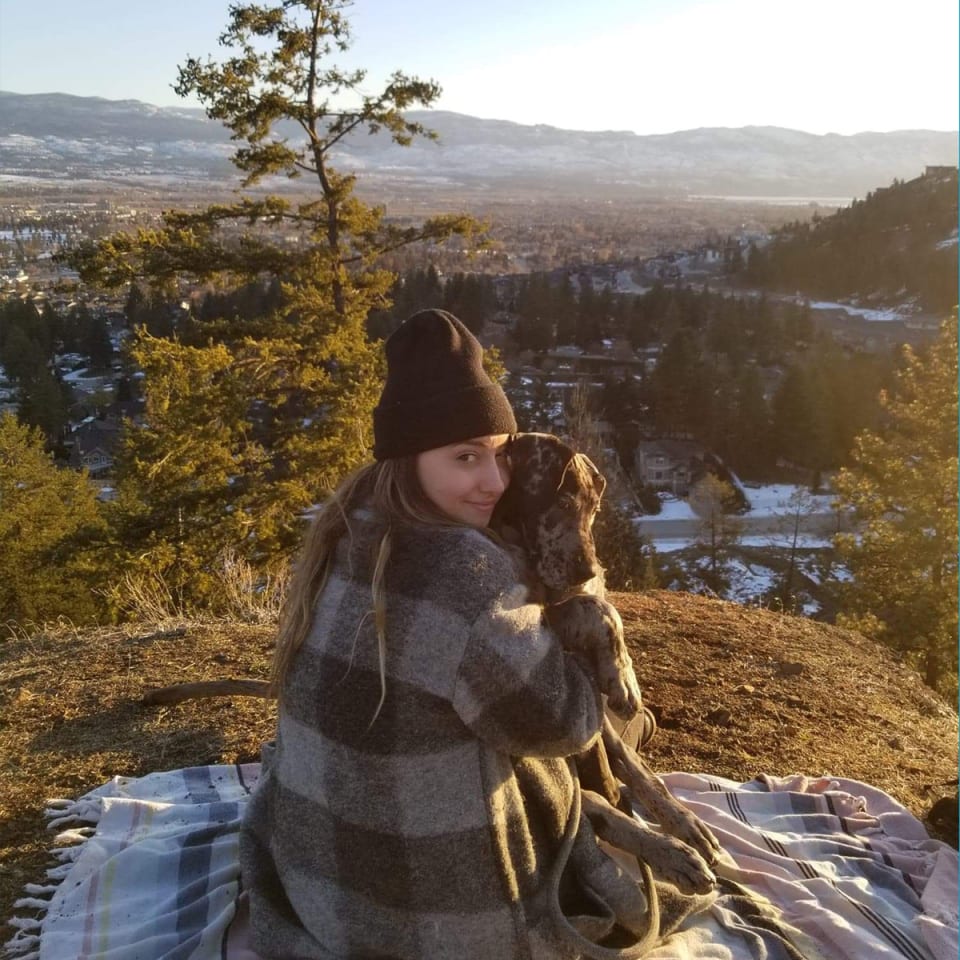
465 480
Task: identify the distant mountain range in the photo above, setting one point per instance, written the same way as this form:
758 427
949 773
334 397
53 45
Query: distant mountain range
88 138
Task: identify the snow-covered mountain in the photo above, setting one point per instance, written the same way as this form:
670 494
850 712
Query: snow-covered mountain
62 136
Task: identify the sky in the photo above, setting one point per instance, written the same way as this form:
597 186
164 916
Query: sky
648 66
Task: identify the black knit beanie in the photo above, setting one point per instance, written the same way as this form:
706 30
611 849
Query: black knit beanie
437 391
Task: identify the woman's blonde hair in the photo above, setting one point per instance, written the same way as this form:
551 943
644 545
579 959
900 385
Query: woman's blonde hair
392 490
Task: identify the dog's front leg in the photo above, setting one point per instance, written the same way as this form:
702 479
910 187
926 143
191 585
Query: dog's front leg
650 792
590 625
669 858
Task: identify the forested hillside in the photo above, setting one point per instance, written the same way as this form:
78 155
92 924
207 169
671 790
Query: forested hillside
751 378
899 243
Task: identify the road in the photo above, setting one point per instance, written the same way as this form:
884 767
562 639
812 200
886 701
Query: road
823 525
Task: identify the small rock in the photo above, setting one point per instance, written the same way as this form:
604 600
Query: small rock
747 688
794 702
942 816
788 669
896 743
721 717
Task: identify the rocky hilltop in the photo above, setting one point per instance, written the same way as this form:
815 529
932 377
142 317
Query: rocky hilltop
738 691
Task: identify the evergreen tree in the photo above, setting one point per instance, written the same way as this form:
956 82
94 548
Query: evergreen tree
471 298
183 505
750 428
799 327
136 300
534 329
43 402
53 323
800 419
288 394
565 311
680 386
43 574
902 490
21 356
589 313
96 344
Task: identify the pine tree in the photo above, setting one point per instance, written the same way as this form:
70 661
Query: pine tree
287 394
135 302
99 348
681 386
21 350
42 402
801 418
902 491
43 509
750 430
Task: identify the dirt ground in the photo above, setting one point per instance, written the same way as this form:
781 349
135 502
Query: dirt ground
737 691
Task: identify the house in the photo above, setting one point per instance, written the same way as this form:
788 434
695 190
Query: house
92 445
669 464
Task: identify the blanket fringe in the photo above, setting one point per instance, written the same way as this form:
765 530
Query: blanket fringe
85 812
58 873
40 888
31 903
73 837
25 943
28 949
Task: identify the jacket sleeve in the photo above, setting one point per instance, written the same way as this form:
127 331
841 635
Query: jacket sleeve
518 690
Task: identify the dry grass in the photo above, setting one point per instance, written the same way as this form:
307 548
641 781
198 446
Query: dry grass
802 698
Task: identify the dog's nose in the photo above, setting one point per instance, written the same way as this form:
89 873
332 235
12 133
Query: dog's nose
584 570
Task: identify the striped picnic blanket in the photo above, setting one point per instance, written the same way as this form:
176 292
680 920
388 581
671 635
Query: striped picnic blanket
814 870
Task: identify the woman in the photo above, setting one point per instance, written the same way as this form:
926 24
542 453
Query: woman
418 801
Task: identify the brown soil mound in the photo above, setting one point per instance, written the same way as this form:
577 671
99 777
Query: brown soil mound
738 691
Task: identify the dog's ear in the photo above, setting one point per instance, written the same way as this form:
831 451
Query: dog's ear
596 477
506 512
518 450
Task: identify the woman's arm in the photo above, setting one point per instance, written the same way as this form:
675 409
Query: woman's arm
518 690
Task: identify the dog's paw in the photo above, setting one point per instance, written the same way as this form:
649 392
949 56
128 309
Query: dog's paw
622 691
682 866
614 667
591 625
688 827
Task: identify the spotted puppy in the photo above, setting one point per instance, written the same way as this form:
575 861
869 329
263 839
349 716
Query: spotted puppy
546 515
